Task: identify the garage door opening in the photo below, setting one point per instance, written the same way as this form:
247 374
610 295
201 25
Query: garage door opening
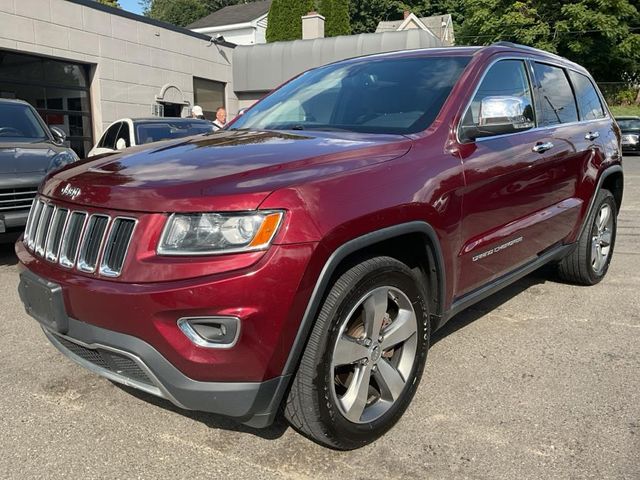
59 90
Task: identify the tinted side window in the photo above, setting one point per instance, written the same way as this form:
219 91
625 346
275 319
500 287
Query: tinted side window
588 100
109 138
556 100
507 78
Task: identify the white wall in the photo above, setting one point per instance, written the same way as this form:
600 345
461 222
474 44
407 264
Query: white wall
131 60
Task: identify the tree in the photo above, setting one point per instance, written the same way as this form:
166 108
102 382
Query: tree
597 34
284 22
177 12
183 12
110 3
336 13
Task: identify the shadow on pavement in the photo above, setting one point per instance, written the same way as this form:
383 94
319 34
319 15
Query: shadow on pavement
211 420
480 309
7 252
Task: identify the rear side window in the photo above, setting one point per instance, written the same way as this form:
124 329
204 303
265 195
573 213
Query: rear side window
589 104
557 102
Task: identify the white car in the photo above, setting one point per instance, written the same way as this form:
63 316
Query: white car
130 132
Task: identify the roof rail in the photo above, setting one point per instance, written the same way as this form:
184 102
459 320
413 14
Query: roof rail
504 43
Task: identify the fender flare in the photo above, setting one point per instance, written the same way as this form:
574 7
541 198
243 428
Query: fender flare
342 252
608 171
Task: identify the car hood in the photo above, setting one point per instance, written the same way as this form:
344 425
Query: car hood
26 157
229 170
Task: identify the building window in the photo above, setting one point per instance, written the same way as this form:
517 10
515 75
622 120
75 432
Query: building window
59 90
209 95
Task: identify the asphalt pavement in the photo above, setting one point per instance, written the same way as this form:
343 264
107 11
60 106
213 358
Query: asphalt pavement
539 381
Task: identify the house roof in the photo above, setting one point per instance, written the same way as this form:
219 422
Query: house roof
432 23
242 13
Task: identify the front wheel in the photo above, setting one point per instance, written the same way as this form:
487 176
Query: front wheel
364 358
588 263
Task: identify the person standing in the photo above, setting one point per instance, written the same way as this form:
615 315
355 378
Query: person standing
221 118
196 112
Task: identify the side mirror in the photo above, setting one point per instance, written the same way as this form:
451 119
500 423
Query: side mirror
58 135
499 115
121 144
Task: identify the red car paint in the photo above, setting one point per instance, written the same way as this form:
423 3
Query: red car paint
333 187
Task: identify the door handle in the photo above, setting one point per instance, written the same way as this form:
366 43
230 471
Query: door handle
591 136
542 147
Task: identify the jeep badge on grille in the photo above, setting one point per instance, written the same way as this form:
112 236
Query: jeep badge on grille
71 192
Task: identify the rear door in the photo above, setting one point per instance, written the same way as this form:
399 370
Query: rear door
519 198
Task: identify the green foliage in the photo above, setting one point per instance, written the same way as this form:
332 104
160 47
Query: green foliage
602 35
336 13
177 12
110 3
285 19
183 12
625 110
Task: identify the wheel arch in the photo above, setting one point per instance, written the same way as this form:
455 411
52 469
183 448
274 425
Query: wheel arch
385 241
612 179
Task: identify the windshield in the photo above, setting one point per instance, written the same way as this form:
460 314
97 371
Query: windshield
629 123
375 95
19 123
156 131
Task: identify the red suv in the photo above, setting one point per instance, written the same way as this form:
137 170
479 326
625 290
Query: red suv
302 259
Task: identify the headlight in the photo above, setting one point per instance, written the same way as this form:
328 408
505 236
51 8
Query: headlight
213 233
62 159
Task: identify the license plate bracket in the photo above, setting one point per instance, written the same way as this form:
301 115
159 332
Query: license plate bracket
43 300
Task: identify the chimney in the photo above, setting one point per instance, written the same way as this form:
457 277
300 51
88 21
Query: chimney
406 14
312 26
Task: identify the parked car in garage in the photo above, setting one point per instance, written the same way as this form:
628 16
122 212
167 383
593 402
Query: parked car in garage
129 132
630 127
28 151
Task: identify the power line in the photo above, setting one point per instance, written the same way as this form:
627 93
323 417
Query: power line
557 32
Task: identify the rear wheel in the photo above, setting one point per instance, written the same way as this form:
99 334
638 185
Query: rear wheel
364 358
589 261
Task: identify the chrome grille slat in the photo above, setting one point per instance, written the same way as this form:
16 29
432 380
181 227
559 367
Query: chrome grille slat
92 243
29 220
77 239
58 224
117 246
43 228
35 219
72 238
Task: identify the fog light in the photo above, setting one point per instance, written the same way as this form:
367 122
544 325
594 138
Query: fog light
211 332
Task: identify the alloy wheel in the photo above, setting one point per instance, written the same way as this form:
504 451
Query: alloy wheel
374 354
601 238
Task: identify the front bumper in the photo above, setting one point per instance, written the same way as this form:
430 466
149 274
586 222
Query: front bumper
133 362
129 333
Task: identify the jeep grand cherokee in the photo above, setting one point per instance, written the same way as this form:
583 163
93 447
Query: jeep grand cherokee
302 259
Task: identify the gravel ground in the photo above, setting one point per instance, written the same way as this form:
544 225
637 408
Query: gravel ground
539 381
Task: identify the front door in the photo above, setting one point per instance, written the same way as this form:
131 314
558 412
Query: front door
520 187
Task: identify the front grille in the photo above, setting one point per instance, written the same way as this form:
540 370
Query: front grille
75 239
107 360
16 198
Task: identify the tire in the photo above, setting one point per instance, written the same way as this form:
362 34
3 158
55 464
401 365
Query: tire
589 262
323 403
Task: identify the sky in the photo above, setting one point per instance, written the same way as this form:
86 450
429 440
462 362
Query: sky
131 5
